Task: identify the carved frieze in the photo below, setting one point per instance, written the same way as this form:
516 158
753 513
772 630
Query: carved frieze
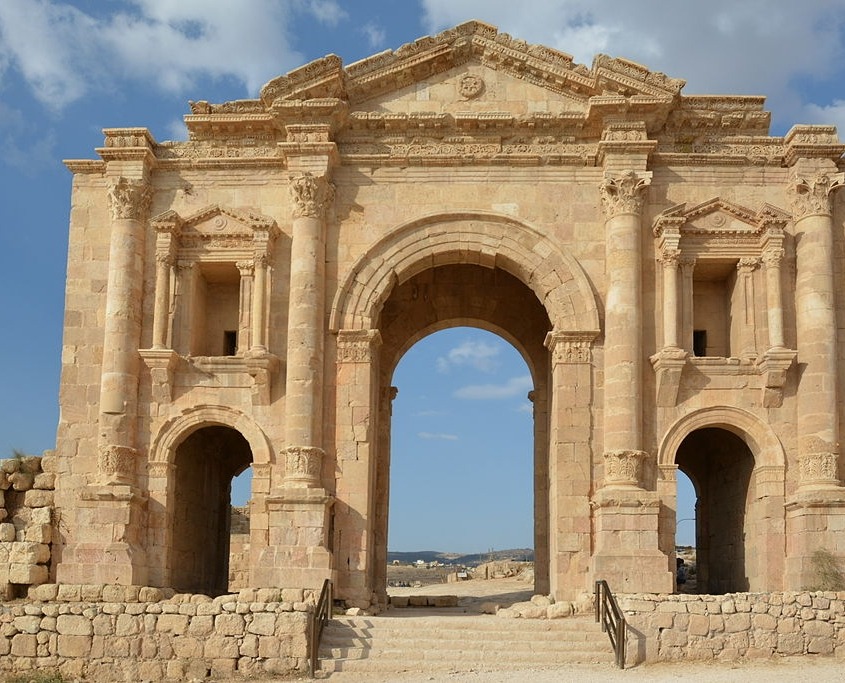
129 199
624 193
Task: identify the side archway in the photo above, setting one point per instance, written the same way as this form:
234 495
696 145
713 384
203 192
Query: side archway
736 464
486 239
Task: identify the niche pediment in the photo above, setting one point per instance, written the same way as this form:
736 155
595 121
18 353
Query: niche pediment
716 225
217 228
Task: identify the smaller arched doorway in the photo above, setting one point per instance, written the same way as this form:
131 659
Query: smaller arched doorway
720 465
205 464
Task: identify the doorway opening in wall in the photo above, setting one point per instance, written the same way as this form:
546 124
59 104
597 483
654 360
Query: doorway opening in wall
685 526
461 489
719 465
207 463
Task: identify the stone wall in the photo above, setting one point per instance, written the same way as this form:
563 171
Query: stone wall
733 626
26 518
135 633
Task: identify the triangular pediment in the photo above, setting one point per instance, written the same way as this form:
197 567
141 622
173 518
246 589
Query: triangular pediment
425 61
217 221
719 217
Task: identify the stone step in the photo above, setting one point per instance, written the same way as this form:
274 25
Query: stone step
458 643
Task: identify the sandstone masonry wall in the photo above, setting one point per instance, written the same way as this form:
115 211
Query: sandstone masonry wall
137 633
734 626
26 518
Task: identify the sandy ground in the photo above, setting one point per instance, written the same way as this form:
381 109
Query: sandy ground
505 591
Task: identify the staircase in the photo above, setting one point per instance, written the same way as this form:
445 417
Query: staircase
436 643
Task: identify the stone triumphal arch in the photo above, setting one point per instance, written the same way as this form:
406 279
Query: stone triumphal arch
665 266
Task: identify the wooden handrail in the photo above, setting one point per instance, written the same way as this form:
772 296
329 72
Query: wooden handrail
612 620
322 615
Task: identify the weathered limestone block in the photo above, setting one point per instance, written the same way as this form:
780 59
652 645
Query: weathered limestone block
37 498
27 574
229 624
74 625
74 646
172 623
262 624
27 552
7 532
218 646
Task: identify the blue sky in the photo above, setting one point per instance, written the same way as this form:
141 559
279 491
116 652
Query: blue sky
69 69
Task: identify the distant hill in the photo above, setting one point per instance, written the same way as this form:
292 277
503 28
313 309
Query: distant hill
472 560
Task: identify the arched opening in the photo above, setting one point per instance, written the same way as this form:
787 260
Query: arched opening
685 530
461 478
205 464
720 465
491 299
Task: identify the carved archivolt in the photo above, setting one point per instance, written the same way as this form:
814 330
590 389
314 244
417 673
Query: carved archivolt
757 434
497 241
177 429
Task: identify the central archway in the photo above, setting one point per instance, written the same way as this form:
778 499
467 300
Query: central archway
470 269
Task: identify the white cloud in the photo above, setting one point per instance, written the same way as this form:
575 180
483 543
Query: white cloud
752 47
475 354
64 53
437 436
515 386
375 34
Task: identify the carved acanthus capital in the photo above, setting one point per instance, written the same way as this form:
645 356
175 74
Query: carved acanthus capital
303 465
245 268
670 258
570 347
116 464
747 265
624 193
623 468
164 259
129 198
311 195
812 196
819 469
773 258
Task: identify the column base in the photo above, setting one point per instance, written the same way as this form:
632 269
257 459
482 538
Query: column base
627 552
108 548
815 521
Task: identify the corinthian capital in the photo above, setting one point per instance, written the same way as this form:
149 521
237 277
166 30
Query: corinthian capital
624 193
310 194
812 196
129 198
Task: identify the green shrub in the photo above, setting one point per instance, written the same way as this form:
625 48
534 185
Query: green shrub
828 576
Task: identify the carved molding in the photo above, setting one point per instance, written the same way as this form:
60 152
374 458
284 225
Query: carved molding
129 198
812 196
668 364
310 194
624 193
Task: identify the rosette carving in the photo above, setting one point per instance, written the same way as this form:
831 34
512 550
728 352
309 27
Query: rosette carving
812 196
303 465
623 468
311 195
129 198
116 464
624 193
